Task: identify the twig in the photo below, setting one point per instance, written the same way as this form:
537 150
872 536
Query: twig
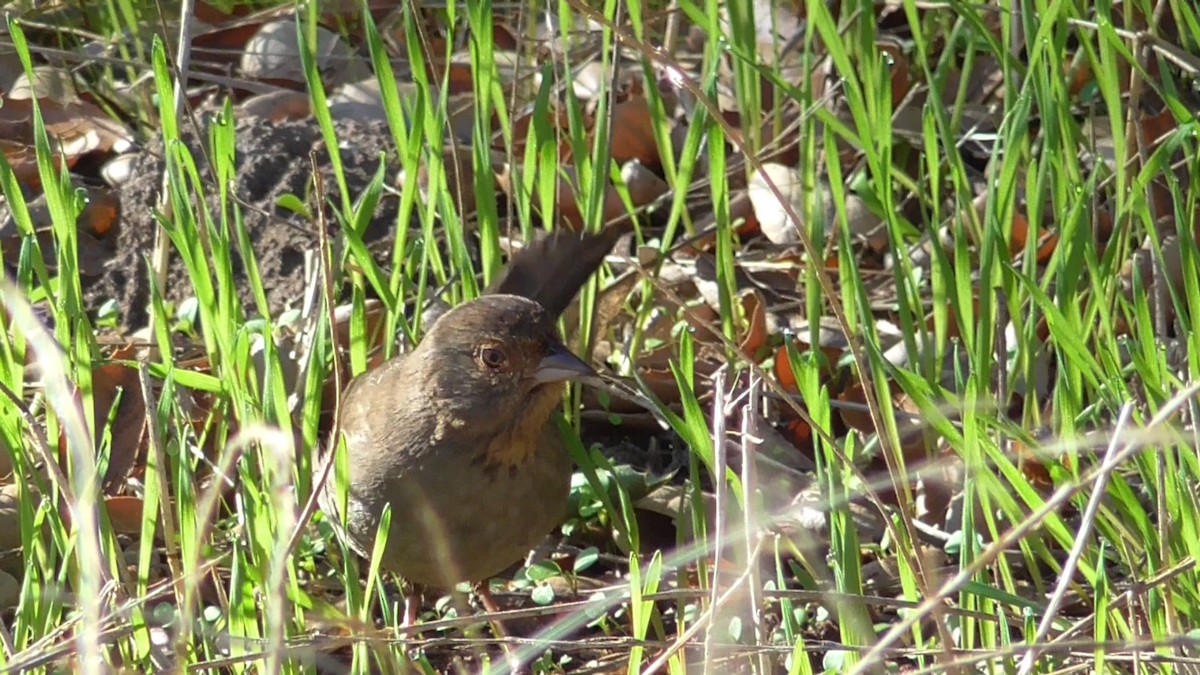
1082 537
702 622
1034 521
721 498
751 416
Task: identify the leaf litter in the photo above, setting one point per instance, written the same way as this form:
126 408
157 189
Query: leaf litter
659 290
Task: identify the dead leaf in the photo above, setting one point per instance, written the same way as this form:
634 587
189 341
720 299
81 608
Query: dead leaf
644 185
10 591
100 213
49 83
23 160
752 337
558 121
10 517
79 127
124 513
632 132
569 213
901 77
279 106
779 227
129 441
912 442
273 54
1046 244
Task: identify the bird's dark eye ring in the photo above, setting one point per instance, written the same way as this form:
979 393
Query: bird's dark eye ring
492 357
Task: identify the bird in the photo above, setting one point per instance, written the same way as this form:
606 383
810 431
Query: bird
456 437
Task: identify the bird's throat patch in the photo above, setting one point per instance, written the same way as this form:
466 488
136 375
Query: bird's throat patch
508 452
519 443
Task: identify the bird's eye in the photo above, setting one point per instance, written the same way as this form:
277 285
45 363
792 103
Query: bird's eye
492 357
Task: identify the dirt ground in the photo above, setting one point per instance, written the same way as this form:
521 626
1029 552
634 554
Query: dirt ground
273 159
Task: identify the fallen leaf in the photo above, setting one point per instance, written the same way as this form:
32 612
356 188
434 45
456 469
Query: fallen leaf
128 439
633 132
10 517
273 54
753 336
278 106
124 513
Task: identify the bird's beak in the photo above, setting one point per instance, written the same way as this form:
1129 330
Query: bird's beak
561 365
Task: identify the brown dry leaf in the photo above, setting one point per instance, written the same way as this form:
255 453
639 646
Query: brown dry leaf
213 15
1156 127
912 443
522 125
221 36
128 427
783 369
48 82
657 382
362 101
222 46
23 160
10 591
657 359
632 132
953 325
124 513
99 215
700 318
859 420
78 126
783 365
1078 74
778 226
1046 244
741 214
374 314
272 54
91 254
1033 467
798 432
609 305
278 106
1019 229
644 185
460 78
752 337
593 77
569 213
10 517
901 76
459 164
221 43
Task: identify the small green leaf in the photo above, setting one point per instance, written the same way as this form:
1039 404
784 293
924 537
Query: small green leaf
291 202
543 594
586 558
540 571
109 312
213 614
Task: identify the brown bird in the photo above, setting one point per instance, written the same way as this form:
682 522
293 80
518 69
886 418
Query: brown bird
456 435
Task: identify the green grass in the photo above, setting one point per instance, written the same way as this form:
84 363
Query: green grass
1065 358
